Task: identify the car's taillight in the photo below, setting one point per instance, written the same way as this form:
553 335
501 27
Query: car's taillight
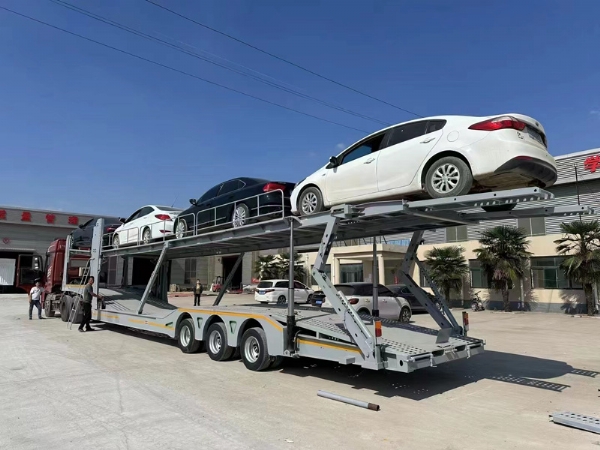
163 217
111 229
499 123
273 187
353 301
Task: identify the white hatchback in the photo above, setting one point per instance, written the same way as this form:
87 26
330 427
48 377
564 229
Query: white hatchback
360 296
276 291
441 156
145 225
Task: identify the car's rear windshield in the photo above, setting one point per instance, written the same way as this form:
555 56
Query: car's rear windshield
265 284
168 208
345 289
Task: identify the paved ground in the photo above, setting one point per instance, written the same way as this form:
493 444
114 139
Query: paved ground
116 389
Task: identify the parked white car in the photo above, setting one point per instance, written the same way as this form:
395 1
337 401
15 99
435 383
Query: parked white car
360 296
146 224
441 156
276 291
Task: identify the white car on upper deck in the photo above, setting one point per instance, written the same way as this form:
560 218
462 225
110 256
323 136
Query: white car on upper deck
148 223
441 156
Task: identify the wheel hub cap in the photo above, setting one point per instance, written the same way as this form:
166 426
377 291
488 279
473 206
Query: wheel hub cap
186 336
239 217
214 342
445 178
309 203
251 349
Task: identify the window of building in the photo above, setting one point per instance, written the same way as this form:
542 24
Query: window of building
546 273
189 274
535 226
456 234
327 272
351 273
479 279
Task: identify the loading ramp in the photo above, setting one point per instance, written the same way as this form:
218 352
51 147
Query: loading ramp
336 334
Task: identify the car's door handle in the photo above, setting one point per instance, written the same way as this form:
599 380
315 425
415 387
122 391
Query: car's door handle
428 140
369 161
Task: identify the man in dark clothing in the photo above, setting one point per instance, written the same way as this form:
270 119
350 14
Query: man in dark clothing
86 302
197 293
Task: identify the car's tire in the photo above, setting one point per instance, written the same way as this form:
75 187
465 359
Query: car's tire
146 236
180 229
186 337
310 201
309 299
405 315
240 216
281 300
115 241
448 177
364 311
216 343
254 350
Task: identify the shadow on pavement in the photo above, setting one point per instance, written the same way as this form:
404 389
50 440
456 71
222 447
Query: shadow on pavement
425 383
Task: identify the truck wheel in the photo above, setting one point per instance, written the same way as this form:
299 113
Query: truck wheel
255 353
64 311
48 310
186 337
216 343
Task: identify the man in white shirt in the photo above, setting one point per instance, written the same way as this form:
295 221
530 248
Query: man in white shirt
35 299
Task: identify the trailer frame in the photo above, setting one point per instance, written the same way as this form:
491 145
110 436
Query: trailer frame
264 335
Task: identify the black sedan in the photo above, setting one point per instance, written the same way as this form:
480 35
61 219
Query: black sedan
82 236
235 203
402 291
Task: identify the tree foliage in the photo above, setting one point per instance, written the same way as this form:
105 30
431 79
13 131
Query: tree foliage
503 256
580 246
447 268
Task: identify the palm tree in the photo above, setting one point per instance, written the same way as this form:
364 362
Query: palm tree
266 267
283 266
581 248
503 257
447 268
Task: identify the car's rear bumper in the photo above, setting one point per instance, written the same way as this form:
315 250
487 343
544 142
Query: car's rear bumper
535 169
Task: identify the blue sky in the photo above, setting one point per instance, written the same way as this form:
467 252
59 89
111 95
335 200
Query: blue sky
86 129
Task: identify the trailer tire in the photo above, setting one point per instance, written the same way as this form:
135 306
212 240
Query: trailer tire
48 310
254 350
186 337
216 343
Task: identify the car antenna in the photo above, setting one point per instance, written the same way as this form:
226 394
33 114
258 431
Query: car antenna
173 204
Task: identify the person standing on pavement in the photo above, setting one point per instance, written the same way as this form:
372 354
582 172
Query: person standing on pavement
88 293
35 299
197 293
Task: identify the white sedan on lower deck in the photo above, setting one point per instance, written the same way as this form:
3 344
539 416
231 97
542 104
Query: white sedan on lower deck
441 156
145 225
276 291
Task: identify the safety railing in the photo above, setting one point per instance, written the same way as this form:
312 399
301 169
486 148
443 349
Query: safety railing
209 218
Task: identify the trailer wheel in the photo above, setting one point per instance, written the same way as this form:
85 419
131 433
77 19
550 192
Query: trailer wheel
216 343
255 353
186 337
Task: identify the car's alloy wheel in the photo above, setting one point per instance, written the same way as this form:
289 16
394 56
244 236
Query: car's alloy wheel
240 216
445 178
309 203
116 241
405 315
181 229
281 300
146 237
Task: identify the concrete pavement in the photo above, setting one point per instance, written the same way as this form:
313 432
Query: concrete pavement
119 389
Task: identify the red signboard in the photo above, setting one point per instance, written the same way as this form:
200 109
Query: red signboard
73 220
592 163
2 214
50 218
25 216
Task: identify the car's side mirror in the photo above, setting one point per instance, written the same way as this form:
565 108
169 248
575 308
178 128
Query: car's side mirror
193 201
333 162
122 220
81 225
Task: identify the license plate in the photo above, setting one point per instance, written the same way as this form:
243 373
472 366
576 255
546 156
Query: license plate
535 135
261 292
319 302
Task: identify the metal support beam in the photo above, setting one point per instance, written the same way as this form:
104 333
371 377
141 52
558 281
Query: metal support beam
229 279
420 294
356 328
164 281
375 311
152 279
291 317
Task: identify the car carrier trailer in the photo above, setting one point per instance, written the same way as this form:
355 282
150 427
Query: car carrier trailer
265 335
